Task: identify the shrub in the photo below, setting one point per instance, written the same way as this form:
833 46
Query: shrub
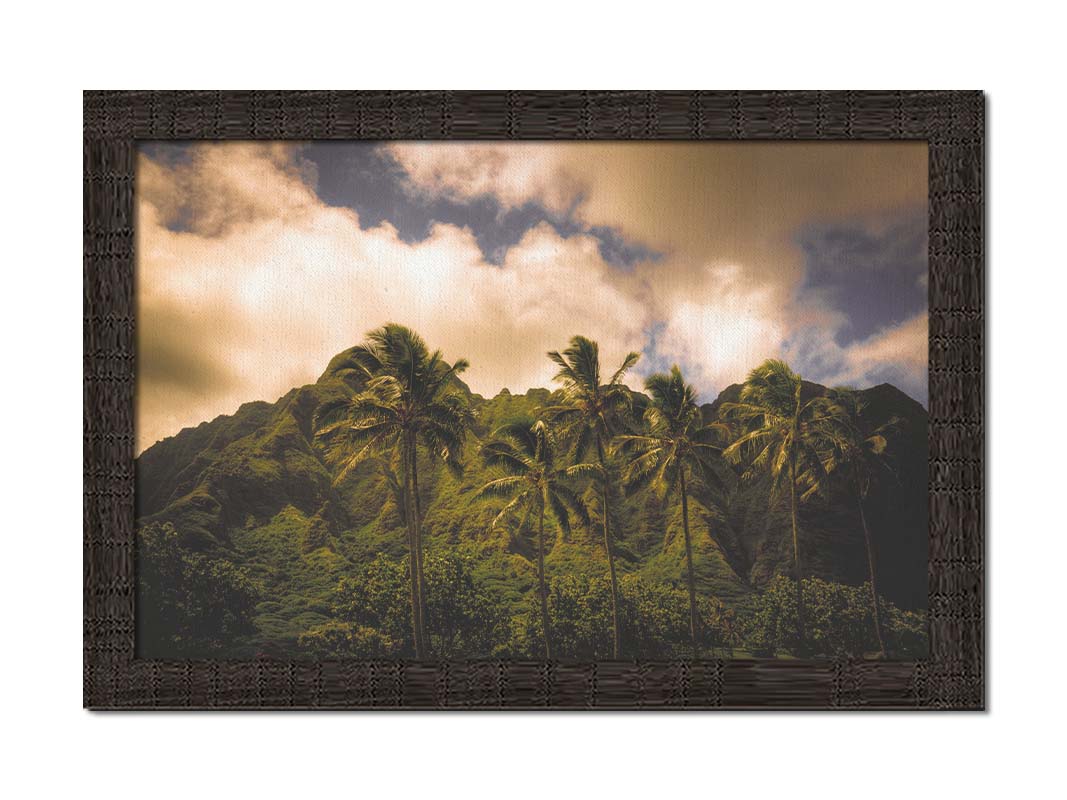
837 621
188 604
336 639
462 619
654 619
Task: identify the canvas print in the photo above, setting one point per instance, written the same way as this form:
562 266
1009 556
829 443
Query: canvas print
572 400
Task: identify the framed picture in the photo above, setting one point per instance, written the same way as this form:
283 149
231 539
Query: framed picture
514 400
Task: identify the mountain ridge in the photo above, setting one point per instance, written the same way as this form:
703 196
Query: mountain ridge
224 480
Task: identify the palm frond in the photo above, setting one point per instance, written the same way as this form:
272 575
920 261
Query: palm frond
502 454
559 510
350 458
747 442
643 470
331 415
582 470
500 487
583 442
566 375
627 363
630 444
508 510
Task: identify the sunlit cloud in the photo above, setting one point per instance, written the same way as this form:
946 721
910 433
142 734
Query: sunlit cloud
720 327
259 301
529 173
248 283
733 283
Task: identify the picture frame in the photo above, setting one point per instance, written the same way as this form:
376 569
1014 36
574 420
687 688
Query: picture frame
951 677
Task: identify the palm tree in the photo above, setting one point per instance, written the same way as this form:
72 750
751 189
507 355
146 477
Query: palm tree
781 430
859 455
408 399
591 413
534 483
678 448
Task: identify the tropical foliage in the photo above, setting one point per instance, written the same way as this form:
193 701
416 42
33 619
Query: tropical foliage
839 621
780 431
535 483
858 453
188 603
388 512
408 400
592 413
677 448
371 613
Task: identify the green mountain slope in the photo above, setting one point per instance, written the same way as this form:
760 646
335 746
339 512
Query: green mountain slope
255 489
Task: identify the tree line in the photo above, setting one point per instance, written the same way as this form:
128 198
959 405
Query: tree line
600 435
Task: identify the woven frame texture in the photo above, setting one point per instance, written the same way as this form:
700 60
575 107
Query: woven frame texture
952 123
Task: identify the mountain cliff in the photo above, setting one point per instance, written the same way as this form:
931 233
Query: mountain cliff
255 488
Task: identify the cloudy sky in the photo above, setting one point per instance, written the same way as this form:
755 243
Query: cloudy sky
257 263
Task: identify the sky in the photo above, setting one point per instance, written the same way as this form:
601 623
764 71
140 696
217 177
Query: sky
257 262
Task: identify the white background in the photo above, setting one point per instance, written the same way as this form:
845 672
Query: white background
50 54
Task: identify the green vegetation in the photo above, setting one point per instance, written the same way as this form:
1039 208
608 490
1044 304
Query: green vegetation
189 604
386 511
526 451
407 401
839 621
371 616
677 446
592 414
781 432
859 455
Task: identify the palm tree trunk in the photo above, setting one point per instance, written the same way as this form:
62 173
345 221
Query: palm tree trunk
875 605
413 567
689 568
610 551
541 580
801 645
420 573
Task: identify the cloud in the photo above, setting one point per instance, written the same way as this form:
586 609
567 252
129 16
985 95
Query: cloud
248 283
895 354
899 351
257 294
221 187
726 201
527 173
732 284
873 266
720 327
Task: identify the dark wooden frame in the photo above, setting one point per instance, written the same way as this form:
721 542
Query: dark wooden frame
952 123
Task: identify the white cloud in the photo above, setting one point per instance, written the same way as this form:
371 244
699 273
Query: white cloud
724 215
262 305
515 173
263 283
721 327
